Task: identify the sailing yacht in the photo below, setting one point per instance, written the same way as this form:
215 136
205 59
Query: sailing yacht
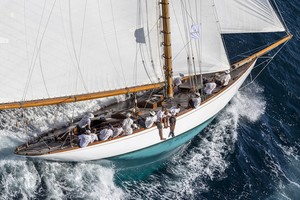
56 52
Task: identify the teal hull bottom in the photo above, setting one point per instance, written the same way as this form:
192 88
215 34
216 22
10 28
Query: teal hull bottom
164 148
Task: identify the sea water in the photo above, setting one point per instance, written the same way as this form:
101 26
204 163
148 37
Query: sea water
250 151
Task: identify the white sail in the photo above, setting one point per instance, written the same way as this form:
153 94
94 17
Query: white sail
247 16
56 48
206 47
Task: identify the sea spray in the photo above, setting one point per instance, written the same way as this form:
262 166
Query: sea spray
189 172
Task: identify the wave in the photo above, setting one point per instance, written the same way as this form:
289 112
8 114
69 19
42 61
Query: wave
188 173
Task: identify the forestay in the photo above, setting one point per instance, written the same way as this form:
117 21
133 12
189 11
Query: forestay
57 48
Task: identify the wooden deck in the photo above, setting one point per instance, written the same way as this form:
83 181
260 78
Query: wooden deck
64 139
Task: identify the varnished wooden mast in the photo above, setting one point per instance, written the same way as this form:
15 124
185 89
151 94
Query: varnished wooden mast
167 47
82 97
262 52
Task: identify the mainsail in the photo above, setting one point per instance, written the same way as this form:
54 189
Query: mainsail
60 48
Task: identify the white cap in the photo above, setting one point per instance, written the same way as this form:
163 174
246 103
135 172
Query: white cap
128 115
90 115
227 71
197 94
152 113
88 132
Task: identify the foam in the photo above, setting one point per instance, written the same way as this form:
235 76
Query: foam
24 178
27 178
190 170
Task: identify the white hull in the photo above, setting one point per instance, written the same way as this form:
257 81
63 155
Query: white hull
150 137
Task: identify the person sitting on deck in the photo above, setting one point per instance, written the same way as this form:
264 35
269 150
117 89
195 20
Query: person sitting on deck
177 82
106 133
85 123
127 125
117 131
162 115
209 87
225 78
85 139
195 101
93 134
150 120
174 110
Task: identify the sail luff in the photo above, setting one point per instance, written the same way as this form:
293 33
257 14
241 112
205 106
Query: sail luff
262 52
76 98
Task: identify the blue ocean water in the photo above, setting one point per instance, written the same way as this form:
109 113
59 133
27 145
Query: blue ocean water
250 151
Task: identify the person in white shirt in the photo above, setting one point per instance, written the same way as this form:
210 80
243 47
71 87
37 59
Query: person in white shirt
195 101
126 125
117 131
225 78
163 116
87 138
209 87
177 82
85 123
105 134
150 120
174 110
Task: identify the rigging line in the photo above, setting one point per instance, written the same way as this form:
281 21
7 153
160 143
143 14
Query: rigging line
186 37
265 65
67 45
199 44
282 19
183 48
159 36
176 19
139 46
219 29
117 41
149 42
105 41
39 47
82 32
145 64
190 69
252 50
26 38
34 50
74 50
193 57
188 14
42 72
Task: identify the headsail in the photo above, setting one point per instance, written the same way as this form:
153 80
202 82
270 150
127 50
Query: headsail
210 19
58 48
247 16
207 50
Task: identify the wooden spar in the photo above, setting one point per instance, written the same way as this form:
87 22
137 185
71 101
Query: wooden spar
75 98
262 52
167 47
